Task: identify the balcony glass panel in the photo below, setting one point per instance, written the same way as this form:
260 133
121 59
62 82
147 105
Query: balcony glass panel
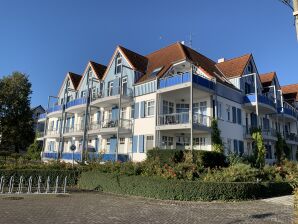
54 108
76 102
251 98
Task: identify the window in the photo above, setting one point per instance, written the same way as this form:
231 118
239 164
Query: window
118 64
167 141
201 141
155 72
122 140
110 88
229 145
108 141
83 94
149 142
250 67
182 107
235 146
149 108
168 107
228 113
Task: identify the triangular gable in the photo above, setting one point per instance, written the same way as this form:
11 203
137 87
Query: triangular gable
73 85
124 53
97 71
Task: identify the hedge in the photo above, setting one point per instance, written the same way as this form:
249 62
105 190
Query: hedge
72 176
205 158
155 187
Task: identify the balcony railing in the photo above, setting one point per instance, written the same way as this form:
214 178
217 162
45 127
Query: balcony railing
112 92
265 131
251 98
76 102
54 109
50 155
124 123
184 78
291 137
287 111
52 131
183 118
42 116
39 134
75 128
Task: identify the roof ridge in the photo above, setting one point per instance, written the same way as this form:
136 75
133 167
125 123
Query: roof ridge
250 54
153 52
267 73
290 85
130 50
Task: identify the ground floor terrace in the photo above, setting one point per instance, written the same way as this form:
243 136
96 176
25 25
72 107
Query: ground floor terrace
107 208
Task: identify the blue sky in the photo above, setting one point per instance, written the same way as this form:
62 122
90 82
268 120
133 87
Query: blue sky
46 39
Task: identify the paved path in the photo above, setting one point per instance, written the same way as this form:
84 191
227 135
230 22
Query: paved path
105 208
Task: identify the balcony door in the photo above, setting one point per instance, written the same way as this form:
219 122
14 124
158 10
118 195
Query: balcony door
124 86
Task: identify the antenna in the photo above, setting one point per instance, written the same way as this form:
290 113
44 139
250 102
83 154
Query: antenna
190 39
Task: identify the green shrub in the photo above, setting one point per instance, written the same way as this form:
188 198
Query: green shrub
156 187
201 158
236 173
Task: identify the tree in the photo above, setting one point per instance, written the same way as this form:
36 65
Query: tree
260 150
216 140
280 155
16 121
34 150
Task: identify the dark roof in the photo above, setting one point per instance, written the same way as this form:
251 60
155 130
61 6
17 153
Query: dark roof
291 91
75 79
98 68
267 78
139 62
234 67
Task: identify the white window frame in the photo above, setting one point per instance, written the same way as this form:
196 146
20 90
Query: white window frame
148 107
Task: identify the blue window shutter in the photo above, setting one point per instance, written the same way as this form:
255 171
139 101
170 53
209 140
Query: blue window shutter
234 114
142 109
135 144
113 145
115 112
72 121
239 116
137 109
141 143
132 111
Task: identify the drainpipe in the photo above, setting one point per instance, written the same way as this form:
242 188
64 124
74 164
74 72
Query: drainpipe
191 107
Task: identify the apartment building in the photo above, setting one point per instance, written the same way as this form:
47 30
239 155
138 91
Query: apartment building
166 99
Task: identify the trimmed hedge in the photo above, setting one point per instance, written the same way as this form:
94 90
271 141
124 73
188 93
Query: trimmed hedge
209 159
155 187
72 176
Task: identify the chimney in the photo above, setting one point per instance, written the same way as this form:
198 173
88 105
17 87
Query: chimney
221 60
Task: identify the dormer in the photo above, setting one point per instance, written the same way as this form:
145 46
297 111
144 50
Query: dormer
69 87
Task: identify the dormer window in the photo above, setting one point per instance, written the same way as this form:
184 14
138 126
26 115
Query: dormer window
118 64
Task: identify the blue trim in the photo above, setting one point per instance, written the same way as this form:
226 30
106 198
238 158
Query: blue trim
50 155
76 102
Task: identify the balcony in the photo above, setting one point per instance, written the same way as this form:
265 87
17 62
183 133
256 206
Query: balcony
288 113
49 155
267 133
77 105
266 105
71 156
291 138
42 117
182 121
55 110
76 130
39 135
110 97
179 79
52 133
110 126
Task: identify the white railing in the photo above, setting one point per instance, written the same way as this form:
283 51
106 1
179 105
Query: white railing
75 128
183 118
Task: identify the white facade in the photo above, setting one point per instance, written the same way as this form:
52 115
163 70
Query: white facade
126 118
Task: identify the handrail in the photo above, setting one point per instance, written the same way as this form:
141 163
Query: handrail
112 92
183 118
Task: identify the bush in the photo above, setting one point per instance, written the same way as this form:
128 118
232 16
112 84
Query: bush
156 187
34 150
201 158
